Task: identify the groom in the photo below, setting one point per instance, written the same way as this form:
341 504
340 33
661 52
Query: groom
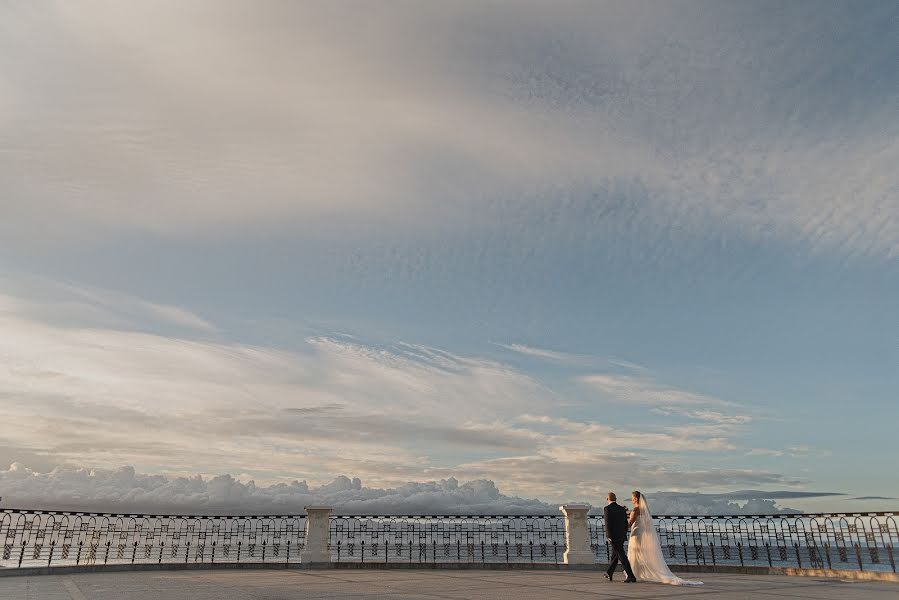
615 517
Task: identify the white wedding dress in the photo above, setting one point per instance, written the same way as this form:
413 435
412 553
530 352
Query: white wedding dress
644 551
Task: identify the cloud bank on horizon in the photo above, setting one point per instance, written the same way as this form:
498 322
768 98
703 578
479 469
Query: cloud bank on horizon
562 248
124 489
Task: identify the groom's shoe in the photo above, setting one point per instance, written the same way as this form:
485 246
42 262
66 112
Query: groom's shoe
630 580
609 576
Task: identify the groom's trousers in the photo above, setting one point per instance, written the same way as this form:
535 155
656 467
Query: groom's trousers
618 555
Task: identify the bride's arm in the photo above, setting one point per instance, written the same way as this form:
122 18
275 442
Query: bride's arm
634 514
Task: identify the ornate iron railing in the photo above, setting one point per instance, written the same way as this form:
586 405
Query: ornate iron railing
50 538
855 541
444 539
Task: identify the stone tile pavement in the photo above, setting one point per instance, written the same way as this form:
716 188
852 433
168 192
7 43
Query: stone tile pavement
426 584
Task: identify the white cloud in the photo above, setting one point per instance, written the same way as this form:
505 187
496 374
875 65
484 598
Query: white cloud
804 451
625 364
572 438
765 452
125 489
708 504
569 358
710 416
177 315
83 305
541 353
590 475
307 116
104 396
644 390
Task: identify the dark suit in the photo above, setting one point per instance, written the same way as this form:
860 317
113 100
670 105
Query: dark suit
615 518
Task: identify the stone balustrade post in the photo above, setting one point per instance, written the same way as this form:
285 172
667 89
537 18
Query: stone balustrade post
577 535
317 548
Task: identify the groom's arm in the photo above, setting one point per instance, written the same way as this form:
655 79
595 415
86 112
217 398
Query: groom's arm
605 520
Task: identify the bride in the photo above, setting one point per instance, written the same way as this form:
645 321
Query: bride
644 551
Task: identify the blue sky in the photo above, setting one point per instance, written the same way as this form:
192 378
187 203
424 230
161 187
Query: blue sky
559 247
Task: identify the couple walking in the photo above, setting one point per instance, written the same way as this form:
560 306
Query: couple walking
644 558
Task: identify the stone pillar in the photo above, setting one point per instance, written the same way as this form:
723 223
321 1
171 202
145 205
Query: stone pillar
317 548
577 535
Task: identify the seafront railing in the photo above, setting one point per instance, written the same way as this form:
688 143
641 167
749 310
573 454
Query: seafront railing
843 541
448 539
32 538
840 541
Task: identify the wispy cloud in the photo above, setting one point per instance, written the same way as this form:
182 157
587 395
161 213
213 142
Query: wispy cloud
711 416
791 451
541 353
764 452
83 305
103 396
704 123
625 364
645 390
568 358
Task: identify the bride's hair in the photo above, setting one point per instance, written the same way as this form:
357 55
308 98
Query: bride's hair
636 495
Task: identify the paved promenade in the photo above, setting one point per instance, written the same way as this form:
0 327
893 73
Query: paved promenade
448 584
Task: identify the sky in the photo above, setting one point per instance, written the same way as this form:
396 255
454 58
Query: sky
463 254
